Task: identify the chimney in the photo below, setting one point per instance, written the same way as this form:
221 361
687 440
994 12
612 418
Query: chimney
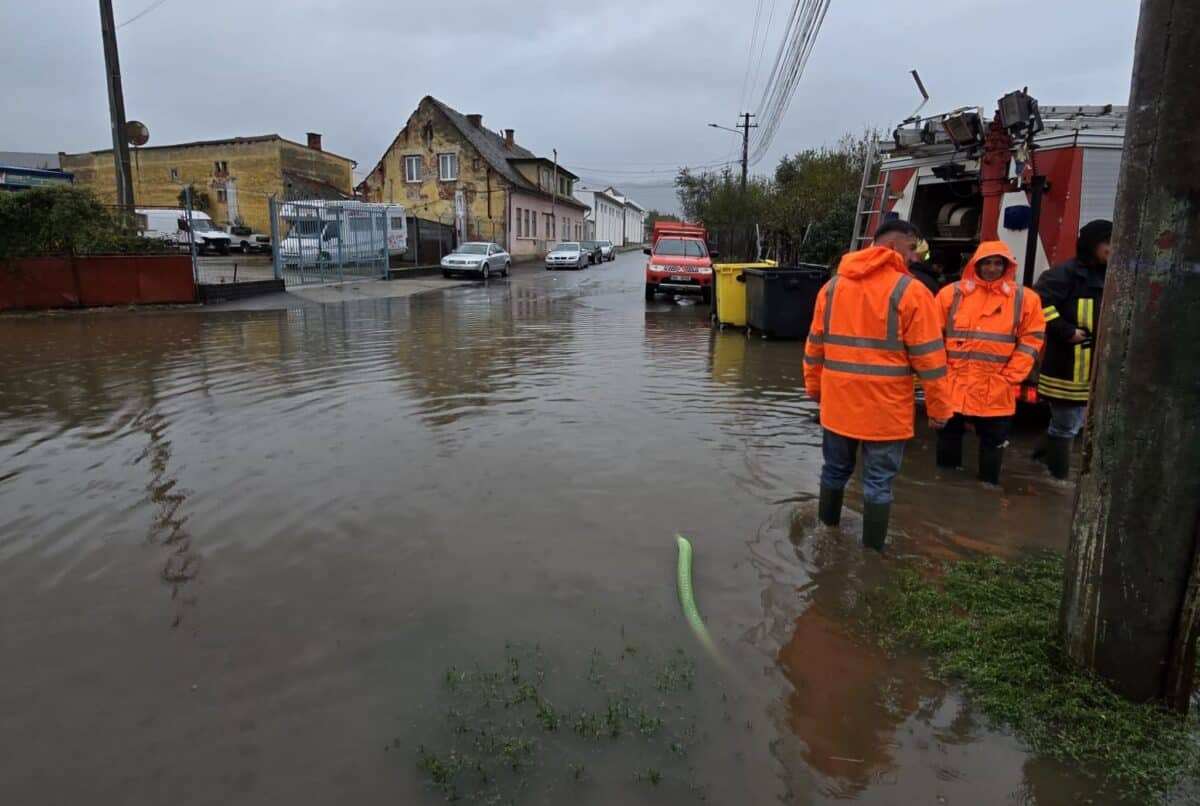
476 121
508 138
314 141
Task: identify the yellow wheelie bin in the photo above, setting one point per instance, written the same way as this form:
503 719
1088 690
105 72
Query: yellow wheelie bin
730 291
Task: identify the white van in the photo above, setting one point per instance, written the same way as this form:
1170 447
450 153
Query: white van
172 225
321 231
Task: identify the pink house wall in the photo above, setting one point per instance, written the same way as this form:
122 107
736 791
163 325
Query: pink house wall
528 241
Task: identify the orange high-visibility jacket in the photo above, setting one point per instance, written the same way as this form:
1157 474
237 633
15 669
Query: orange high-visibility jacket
873 327
994 332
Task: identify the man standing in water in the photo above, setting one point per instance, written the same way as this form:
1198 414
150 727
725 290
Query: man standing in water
1071 293
874 326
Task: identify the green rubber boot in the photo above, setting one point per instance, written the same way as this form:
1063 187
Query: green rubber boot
1058 456
990 460
829 510
875 525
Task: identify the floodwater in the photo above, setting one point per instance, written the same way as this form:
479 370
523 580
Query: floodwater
239 551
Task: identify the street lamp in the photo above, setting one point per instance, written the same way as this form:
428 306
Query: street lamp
726 128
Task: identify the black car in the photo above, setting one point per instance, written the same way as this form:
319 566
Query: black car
594 250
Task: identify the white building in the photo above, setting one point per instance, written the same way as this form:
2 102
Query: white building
606 215
633 219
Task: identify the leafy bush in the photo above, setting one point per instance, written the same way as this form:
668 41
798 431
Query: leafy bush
67 220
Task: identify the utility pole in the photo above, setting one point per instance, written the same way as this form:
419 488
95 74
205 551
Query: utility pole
1131 600
746 127
554 198
116 107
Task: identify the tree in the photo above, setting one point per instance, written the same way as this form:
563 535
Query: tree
1131 601
66 220
201 201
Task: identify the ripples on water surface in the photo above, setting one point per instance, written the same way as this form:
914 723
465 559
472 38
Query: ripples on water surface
238 550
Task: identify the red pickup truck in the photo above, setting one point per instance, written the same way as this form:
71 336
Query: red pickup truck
680 261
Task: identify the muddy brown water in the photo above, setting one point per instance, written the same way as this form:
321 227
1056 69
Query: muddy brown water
239 550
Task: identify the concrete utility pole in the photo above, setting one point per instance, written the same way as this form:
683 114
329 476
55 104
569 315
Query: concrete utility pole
746 127
116 106
1131 603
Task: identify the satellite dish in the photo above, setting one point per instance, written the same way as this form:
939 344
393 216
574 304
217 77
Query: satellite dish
137 133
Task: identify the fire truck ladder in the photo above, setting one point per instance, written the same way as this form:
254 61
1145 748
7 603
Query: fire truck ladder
872 198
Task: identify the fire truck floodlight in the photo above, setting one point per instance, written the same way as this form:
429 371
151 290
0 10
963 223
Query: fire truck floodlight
963 128
906 137
1019 113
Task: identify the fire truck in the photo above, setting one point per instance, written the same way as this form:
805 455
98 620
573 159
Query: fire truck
1029 176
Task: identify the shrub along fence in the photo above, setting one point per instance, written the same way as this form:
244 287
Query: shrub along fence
61 248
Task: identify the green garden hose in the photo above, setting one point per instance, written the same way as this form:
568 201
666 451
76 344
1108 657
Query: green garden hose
687 601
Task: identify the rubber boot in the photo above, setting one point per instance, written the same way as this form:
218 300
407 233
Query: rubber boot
990 460
829 510
949 451
1058 456
875 525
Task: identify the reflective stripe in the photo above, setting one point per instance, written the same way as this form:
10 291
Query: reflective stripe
1037 334
953 309
932 374
1051 313
927 348
1025 348
862 341
893 323
829 302
974 356
1079 371
816 338
1003 338
892 370
1061 385
1090 309
813 360
1018 307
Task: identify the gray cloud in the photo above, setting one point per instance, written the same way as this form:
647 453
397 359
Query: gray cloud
620 88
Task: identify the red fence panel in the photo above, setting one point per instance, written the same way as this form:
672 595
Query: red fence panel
59 282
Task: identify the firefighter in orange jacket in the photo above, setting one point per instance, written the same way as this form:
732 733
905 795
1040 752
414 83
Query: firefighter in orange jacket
994 329
873 327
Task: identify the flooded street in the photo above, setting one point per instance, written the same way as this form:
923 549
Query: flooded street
239 551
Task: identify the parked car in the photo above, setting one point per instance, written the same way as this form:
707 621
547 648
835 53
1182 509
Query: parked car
318 232
248 240
595 253
567 255
607 250
172 226
477 257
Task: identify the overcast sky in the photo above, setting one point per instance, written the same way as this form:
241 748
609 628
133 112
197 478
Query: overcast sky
621 88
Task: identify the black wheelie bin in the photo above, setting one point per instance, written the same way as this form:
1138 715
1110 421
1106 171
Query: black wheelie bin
779 302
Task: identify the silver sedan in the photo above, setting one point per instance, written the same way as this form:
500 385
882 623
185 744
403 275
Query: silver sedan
567 255
479 258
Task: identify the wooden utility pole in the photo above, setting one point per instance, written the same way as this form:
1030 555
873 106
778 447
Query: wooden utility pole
1131 604
116 106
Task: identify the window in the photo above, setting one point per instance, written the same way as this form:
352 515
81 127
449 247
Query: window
533 224
546 179
448 167
220 167
475 164
680 248
564 186
412 169
222 195
397 223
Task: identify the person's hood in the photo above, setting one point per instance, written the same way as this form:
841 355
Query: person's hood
1007 281
1092 235
857 265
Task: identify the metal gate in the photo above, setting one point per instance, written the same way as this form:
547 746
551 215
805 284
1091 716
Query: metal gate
328 241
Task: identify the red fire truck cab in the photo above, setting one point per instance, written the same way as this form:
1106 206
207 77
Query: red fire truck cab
680 261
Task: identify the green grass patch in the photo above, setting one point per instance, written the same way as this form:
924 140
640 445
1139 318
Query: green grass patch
503 735
993 626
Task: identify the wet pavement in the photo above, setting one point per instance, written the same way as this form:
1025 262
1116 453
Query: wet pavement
239 550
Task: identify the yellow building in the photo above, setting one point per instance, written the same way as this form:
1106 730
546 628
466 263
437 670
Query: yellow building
445 166
238 175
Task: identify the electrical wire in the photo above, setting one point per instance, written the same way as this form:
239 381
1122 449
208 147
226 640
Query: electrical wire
142 13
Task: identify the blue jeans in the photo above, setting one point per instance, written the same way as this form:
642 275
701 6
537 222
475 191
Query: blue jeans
881 463
1066 420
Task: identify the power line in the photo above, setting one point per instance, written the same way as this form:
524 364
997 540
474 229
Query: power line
142 13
